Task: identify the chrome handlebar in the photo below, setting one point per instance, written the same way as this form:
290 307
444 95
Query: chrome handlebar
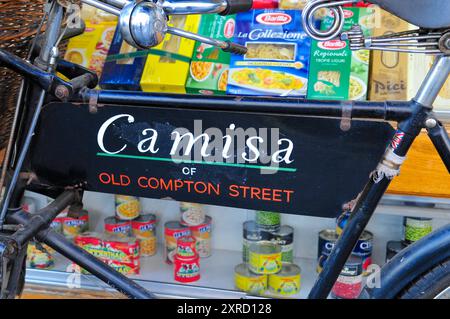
143 23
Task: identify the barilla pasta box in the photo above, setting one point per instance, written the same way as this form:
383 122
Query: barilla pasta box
277 61
167 65
336 72
123 67
208 72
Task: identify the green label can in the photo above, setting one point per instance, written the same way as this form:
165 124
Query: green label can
268 221
415 228
285 239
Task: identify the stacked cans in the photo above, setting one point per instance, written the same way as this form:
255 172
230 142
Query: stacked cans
186 260
267 254
362 249
188 240
267 227
193 216
414 229
129 222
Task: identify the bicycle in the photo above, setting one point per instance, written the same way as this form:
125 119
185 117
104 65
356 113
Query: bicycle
421 270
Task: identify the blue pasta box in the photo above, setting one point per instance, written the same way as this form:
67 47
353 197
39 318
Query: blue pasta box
123 67
277 60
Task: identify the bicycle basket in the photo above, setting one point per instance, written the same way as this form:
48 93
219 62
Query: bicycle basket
19 21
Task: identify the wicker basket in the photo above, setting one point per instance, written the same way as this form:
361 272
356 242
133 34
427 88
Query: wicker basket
19 21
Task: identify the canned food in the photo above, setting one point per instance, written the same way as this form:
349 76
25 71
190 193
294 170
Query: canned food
341 221
38 257
265 257
173 230
144 225
202 235
75 224
57 224
187 269
393 248
287 281
127 207
186 247
130 268
327 240
285 239
268 221
252 234
363 249
249 282
144 229
192 214
116 226
148 245
109 247
349 283
415 228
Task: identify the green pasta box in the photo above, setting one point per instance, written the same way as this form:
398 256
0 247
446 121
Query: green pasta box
336 72
208 71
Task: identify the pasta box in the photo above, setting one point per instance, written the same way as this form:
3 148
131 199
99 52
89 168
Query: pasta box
208 72
91 48
123 67
389 70
277 61
167 65
336 72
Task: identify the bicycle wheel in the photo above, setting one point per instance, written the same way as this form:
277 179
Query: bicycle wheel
434 284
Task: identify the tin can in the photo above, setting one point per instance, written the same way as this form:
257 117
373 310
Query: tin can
265 258
122 249
116 226
415 228
393 248
287 281
327 240
285 239
38 257
127 207
349 283
192 214
202 235
186 269
268 221
57 224
130 268
363 249
186 247
341 221
173 230
247 281
144 225
75 224
144 229
252 234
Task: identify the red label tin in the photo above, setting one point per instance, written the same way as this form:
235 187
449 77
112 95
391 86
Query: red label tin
187 269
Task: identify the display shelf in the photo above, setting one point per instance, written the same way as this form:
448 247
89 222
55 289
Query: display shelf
217 277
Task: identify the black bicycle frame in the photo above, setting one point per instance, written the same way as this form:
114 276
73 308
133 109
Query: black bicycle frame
411 117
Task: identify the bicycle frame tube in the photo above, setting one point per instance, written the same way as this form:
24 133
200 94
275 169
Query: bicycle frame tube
381 177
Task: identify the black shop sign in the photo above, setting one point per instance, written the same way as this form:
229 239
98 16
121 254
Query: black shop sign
296 165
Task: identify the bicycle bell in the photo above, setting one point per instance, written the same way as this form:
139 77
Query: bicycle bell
143 24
